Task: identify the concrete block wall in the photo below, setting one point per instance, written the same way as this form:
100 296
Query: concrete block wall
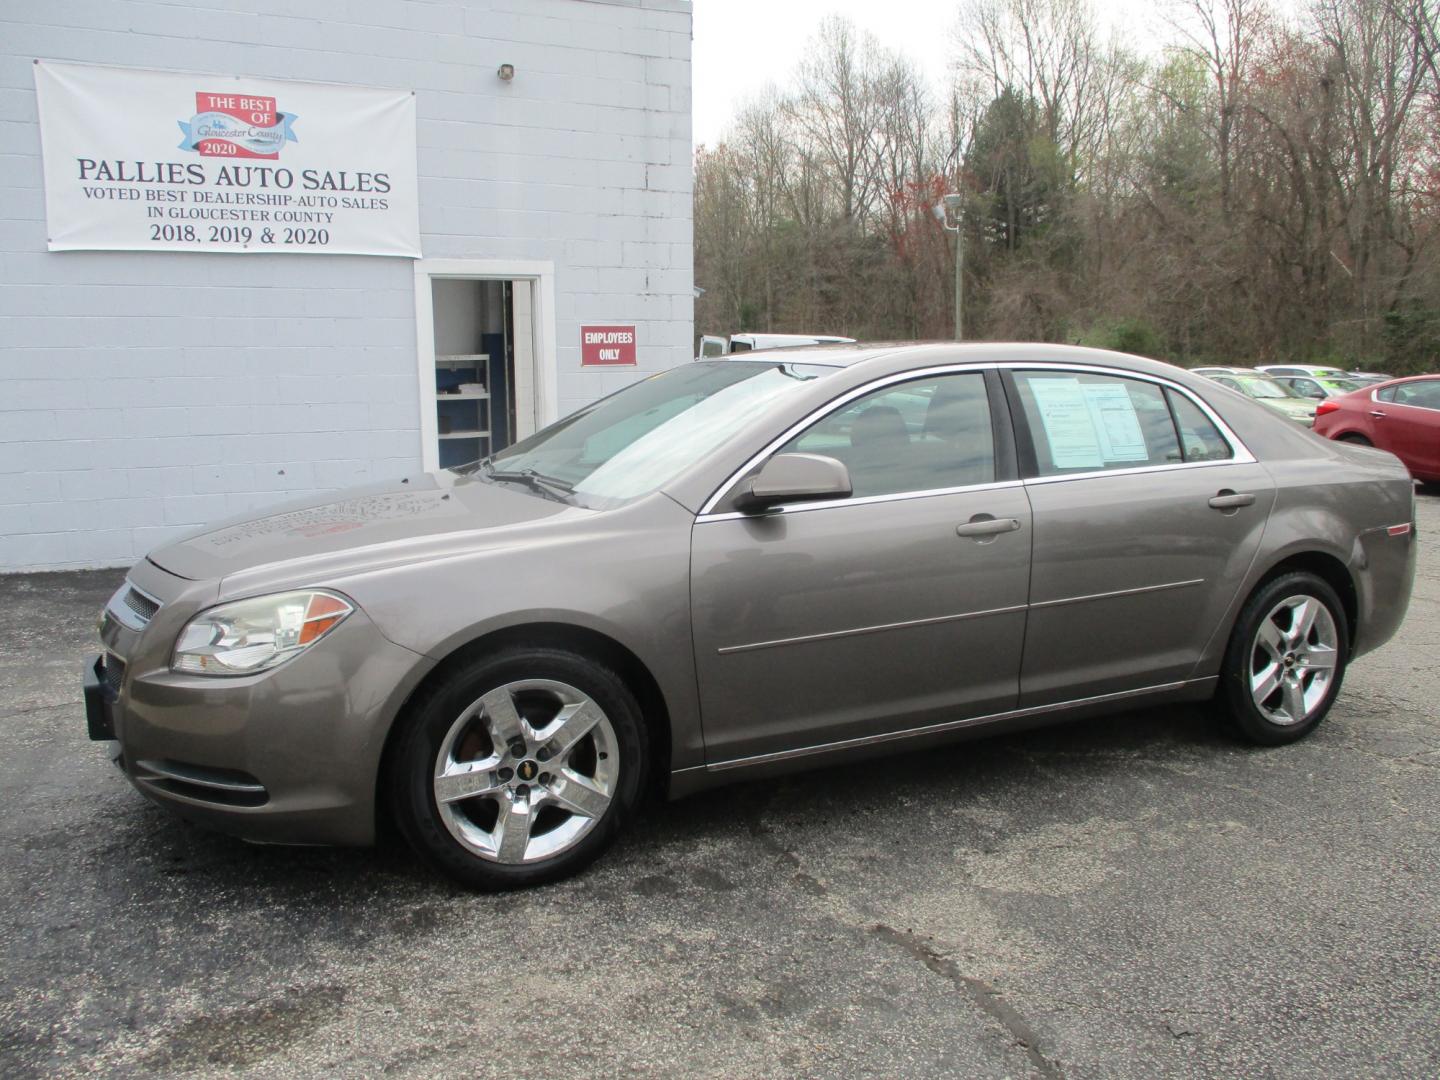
145 394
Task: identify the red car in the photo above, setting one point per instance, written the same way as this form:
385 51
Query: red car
1402 416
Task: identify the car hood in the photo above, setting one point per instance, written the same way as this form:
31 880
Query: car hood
1291 407
426 515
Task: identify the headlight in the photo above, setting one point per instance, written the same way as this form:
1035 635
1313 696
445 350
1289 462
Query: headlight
254 635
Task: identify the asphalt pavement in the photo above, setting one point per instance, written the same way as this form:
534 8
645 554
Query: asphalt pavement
1138 896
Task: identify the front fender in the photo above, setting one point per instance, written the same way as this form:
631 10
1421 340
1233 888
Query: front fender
623 574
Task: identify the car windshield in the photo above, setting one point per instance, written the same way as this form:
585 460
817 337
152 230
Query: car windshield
1257 387
634 441
1340 386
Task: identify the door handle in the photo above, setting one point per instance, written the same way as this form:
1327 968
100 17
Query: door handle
1230 500
987 526
1377 414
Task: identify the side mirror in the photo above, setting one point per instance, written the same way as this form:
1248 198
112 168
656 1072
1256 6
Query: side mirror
794 478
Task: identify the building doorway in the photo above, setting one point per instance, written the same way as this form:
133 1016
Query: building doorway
485 348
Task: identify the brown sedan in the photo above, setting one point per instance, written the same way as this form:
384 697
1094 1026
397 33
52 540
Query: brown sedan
740 567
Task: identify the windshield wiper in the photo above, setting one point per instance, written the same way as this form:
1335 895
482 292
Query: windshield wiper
545 485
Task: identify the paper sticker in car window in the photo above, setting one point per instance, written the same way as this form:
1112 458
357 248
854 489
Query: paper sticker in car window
1116 424
1069 427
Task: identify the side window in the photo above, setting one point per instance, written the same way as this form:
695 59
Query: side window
915 436
1200 439
1083 423
1426 395
1388 394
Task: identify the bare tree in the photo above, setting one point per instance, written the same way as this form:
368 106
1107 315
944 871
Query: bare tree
1262 190
1223 35
836 109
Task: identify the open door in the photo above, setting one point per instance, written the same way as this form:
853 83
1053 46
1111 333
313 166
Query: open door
484 359
711 346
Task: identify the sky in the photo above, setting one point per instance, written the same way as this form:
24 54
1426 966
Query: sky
741 45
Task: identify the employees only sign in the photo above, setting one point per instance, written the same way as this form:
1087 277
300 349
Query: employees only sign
163 161
607 346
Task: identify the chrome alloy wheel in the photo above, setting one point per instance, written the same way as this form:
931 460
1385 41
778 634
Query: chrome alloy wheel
526 771
1292 660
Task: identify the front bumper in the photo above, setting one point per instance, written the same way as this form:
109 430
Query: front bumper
290 755
99 719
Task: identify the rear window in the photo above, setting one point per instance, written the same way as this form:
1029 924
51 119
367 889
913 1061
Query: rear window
1423 395
1200 439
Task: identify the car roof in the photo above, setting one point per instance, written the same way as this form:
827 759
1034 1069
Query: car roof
1429 377
903 355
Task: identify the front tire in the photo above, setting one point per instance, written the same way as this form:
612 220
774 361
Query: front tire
519 768
1286 659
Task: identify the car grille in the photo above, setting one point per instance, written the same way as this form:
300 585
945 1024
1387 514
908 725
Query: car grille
140 604
114 675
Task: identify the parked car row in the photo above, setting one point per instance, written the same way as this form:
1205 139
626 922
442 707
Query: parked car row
1272 393
1367 408
1312 371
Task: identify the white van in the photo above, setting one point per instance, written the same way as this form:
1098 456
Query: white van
712 345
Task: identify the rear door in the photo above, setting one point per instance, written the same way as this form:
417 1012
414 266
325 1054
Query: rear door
1146 517
899 607
1408 425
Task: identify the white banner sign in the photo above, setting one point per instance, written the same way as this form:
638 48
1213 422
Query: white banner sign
158 161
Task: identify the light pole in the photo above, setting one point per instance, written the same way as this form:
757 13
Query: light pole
949 213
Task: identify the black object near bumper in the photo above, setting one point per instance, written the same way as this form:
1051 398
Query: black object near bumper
100 695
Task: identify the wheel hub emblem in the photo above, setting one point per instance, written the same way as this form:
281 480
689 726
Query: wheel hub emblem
1289 660
527 770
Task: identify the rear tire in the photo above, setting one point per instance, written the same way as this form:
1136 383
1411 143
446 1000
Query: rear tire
1286 659
1358 440
519 768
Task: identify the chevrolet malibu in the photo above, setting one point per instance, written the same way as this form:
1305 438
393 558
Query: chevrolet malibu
741 567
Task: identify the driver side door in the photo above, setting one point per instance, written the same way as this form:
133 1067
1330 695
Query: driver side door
900 607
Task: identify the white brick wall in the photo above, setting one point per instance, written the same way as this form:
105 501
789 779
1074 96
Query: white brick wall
134 406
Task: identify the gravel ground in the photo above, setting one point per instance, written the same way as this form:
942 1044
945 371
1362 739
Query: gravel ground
1138 896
